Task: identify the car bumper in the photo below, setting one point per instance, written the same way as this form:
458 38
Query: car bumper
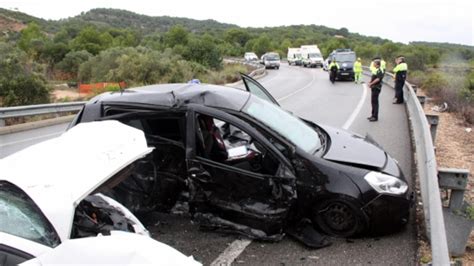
345 74
387 214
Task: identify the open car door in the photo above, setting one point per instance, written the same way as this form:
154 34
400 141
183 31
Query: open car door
252 86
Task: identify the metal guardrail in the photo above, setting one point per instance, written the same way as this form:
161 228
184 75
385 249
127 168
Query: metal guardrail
427 173
40 109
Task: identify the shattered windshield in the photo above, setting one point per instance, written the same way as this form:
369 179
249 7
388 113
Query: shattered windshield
285 124
20 217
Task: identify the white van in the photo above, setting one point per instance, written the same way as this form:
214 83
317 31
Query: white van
294 56
311 56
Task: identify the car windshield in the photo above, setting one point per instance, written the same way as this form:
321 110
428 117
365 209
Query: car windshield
346 57
272 57
315 55
284 123
21 217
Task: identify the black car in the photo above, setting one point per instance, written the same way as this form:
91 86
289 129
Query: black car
345 58
248 166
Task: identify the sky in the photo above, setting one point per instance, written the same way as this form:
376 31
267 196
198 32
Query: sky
397 20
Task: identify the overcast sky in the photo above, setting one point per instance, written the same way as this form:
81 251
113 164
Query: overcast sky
398 20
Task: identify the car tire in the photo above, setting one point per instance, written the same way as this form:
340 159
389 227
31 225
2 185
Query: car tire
339 217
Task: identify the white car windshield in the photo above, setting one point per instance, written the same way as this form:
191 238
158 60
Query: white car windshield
285 124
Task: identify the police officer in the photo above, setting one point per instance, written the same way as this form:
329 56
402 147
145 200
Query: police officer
333 68
400 72
375 85
358 71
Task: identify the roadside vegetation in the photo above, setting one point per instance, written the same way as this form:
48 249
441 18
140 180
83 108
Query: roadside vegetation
107 45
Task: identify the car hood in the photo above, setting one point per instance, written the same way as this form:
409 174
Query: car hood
119 248
58 173
353 149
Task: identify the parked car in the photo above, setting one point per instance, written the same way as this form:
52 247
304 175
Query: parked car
53 203
250 56
271 60
253 168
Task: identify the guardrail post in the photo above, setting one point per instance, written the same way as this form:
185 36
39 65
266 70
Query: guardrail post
433 121
2 122
415 88
422 100
456 181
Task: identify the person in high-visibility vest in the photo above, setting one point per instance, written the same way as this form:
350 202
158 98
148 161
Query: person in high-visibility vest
375 86
333 68
358 71
383 65
400 72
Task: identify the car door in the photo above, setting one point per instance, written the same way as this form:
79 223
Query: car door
227 193
252 86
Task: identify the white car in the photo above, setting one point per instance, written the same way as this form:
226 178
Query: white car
250 56
52 210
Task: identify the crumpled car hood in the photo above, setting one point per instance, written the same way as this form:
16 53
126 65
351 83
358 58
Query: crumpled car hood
58 173
350 148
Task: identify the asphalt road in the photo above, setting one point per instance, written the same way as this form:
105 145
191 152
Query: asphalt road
309 94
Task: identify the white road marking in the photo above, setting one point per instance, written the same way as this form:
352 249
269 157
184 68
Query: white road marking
356 111
31 139
297 91
231 252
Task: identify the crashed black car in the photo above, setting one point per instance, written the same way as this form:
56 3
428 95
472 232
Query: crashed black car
250 167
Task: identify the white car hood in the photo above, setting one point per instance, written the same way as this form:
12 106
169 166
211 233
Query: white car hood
120 248
58 173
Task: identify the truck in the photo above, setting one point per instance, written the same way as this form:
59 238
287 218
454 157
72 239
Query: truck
345 58
294 56
311 56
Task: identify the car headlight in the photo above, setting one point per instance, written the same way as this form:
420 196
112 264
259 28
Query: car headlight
386 184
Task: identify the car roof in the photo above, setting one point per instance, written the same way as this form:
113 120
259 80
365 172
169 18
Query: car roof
58 173
180 94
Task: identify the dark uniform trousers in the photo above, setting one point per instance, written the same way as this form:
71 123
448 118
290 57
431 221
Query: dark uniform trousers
375 102
399 83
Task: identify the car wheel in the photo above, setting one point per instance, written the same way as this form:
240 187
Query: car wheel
339 217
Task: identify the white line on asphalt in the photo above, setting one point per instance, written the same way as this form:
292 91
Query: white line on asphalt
30 139
231 252
296 91
356 111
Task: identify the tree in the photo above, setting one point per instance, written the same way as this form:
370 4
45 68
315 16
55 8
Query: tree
32 40
18 84
237 36
176 35
204 51
262 45
91 40
72 61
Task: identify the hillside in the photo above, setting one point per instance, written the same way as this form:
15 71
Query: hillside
114 18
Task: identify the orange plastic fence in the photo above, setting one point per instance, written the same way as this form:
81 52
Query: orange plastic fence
88 88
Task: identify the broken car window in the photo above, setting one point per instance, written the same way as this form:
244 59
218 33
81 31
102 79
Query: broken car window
21 217
225 143
283 123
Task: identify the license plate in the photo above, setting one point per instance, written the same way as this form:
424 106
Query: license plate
344 74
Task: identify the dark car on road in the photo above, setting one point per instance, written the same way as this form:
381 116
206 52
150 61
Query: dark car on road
246 165
345 58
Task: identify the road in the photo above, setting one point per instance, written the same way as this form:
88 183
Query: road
309 94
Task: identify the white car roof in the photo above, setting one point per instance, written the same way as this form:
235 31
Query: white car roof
58 173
